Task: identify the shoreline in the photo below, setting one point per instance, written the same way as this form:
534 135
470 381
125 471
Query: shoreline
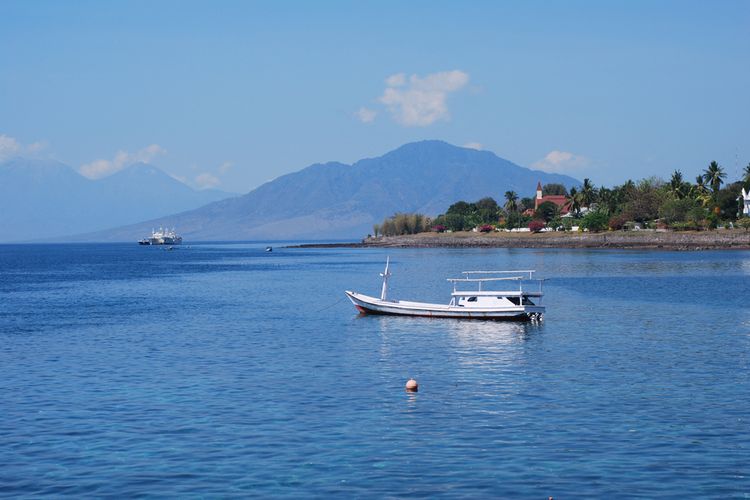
720 239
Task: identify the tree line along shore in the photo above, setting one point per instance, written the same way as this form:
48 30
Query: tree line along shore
652 212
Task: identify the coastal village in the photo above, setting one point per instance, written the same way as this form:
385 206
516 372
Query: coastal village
647 206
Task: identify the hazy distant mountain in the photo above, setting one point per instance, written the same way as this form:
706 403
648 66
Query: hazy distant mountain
45 199
334 200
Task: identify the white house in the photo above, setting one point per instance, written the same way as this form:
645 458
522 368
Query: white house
746 199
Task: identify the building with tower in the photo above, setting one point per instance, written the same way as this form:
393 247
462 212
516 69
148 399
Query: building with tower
558 199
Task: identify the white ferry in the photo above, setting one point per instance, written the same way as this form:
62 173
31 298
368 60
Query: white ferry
518 304
162 237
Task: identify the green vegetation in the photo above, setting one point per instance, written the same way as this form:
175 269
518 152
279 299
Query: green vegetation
554 189
402 223
595 221
547 211
679 205
463 216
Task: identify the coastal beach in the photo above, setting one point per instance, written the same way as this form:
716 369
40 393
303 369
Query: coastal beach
735 239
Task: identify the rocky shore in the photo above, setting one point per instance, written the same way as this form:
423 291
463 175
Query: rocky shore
687 240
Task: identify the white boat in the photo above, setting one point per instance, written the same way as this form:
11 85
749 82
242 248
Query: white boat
521 303
162 237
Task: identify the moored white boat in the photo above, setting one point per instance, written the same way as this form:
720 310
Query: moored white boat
162 237
521 303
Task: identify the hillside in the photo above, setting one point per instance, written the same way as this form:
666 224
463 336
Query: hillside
42 199
336 200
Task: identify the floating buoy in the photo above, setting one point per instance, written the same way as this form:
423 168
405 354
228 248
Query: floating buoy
412 385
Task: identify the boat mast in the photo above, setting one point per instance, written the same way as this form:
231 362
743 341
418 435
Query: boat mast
385 274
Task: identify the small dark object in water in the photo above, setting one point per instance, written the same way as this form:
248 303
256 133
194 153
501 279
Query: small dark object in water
269 249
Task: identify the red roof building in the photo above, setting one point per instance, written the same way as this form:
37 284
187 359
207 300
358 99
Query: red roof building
560 200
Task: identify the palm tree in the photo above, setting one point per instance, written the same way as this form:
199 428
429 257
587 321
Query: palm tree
700 184
511 205
574 201
677 185
511 198
607 199
588 193
700 191
714 176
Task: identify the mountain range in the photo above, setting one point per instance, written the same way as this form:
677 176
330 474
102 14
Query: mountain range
335 200
43 199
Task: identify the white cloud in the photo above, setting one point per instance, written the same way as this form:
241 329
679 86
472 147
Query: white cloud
421 101
10 147
102 168
366 115
149 152
180 178
206 180
561 161
397 80
473 145
36 147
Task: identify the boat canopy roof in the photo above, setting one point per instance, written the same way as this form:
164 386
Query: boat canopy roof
495 293
474 280
481 276
525 271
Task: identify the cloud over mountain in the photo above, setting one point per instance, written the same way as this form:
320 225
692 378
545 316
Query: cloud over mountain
421 101
102 168
561 161
10 147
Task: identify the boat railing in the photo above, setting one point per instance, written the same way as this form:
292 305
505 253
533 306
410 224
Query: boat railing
475 280
520 279
530 272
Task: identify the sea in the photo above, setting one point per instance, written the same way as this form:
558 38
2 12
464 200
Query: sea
223 370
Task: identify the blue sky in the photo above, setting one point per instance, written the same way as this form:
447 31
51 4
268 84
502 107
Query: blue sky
233 94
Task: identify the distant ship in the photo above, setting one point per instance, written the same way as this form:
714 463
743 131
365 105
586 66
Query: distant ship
162 237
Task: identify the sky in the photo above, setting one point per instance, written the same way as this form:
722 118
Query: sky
233 94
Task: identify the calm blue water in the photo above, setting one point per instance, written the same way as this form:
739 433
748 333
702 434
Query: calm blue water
222 370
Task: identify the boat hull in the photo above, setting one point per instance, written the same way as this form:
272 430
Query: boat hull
372 305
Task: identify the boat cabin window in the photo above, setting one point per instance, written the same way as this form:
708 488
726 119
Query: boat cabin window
517 301
472 299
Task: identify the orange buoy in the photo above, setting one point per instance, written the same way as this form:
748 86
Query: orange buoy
412 386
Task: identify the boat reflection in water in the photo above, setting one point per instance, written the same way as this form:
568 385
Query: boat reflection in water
491 335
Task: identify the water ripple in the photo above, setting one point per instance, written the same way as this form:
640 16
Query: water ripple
220 370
